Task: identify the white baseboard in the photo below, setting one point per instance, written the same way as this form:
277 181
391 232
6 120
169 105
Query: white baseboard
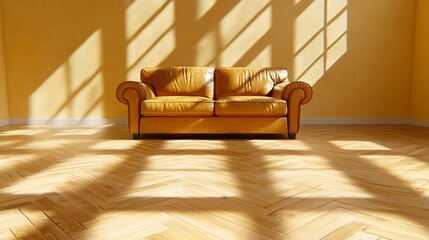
4 122
68 121
417 122
355 121
98 121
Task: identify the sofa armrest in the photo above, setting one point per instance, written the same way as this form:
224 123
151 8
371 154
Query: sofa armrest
132 93
284 90
296 94
143 91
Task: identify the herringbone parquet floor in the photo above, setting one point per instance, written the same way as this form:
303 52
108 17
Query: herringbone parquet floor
333 182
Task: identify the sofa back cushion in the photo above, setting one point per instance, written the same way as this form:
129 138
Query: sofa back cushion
180 81
245 81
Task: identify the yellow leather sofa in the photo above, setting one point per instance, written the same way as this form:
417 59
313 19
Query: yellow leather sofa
203 100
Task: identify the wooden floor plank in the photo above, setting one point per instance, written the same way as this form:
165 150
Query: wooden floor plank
18 225
345 232
332 182
211 223
71 209
58 216
178 229
323 226
6 234
361 235
43 224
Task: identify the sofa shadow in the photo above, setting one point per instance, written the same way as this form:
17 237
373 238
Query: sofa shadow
214 136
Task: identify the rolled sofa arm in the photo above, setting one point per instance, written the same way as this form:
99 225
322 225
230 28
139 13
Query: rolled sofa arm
132 93
304 89
143 90
295 94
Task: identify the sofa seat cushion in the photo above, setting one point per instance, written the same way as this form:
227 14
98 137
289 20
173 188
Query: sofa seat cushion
177 106
250 106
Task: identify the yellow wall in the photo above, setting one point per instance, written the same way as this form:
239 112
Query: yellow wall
4 105
65 58
420 83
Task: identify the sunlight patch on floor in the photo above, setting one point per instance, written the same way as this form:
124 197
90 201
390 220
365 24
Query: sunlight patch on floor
358 145
44 144
115 145
77 132
26 132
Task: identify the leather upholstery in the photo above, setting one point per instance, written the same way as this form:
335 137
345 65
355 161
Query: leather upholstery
298 86
177 106
246 100
219 125
132 93
242 81
278 90
142 90
180 81
250 106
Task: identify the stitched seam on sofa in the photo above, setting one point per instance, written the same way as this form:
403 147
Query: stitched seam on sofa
177 102
250 114
250 102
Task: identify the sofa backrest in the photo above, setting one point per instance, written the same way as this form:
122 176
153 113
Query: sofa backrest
245 81
180 81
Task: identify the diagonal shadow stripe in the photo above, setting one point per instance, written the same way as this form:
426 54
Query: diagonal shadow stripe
401 200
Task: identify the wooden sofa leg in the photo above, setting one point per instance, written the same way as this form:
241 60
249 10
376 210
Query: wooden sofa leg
292 135
136 136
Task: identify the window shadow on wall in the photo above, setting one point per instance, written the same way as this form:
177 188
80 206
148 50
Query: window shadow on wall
69 56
